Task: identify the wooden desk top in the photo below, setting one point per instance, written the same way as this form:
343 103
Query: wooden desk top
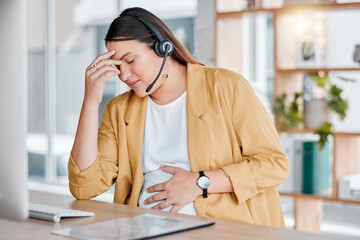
37 229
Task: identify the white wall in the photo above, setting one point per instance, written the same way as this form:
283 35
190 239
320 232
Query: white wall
204 32
13 98
343 32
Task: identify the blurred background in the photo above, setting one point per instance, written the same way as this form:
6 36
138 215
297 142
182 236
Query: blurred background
299 56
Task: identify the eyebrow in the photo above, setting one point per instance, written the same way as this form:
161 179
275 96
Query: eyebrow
125 55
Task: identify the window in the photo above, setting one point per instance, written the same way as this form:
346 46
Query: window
64 38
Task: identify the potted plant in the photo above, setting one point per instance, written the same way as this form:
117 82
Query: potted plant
335 102
319 100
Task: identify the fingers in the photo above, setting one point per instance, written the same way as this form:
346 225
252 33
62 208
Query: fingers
97 73
177 191
104 70
155 198
105 76
163 204
101 57
170 169
113 63
156 188
176 208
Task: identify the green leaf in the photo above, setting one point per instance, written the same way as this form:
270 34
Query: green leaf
323 131
336 102
279 106
288 117
320 81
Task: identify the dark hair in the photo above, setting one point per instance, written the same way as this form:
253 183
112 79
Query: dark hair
127 27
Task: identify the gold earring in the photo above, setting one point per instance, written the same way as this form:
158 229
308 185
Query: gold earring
166 75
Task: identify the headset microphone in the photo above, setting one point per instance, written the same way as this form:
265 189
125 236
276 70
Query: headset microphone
163 48
157 77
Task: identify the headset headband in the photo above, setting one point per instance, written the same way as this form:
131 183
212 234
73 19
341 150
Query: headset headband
149 25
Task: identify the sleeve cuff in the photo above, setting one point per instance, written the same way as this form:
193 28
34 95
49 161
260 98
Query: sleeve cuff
87 177
242 180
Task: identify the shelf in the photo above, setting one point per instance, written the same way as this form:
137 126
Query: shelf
296 131
288 78
294 70
299 7
312 131
327 196
319 197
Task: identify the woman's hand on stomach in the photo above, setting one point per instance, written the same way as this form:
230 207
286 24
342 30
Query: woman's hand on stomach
179 191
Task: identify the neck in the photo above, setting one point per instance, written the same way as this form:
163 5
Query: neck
172 87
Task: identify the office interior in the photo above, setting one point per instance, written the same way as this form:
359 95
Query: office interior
276 45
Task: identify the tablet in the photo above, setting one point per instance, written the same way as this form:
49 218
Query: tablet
140 227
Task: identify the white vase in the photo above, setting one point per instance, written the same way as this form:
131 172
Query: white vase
316 112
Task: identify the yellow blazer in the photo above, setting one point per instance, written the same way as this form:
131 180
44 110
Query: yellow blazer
228 128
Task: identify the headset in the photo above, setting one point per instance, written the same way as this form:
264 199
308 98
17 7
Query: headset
163 47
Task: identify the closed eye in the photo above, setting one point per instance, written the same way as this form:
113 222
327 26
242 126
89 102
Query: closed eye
130 62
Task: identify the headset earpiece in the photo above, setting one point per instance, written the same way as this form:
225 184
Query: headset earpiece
163 48
160 47
161 43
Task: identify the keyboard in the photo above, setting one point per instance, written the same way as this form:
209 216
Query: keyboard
54 214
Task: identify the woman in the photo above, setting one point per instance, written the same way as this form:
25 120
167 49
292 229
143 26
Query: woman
196 140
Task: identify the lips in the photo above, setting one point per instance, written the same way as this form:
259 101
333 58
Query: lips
134 83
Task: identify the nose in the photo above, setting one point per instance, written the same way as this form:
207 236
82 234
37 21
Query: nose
125 73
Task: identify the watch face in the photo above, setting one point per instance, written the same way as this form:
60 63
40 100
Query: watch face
204 182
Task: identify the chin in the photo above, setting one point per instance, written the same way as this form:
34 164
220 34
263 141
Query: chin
140 93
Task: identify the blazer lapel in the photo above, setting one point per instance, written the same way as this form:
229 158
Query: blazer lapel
197 130
134 118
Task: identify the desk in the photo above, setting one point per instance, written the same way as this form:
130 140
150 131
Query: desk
38 229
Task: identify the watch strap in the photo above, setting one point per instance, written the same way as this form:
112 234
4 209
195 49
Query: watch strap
202 174
205 193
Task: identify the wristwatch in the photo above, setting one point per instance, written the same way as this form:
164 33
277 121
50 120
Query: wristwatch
203 182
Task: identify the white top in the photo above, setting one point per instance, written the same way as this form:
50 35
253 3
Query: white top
165 142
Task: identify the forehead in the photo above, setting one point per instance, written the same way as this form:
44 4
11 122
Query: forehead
122 47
